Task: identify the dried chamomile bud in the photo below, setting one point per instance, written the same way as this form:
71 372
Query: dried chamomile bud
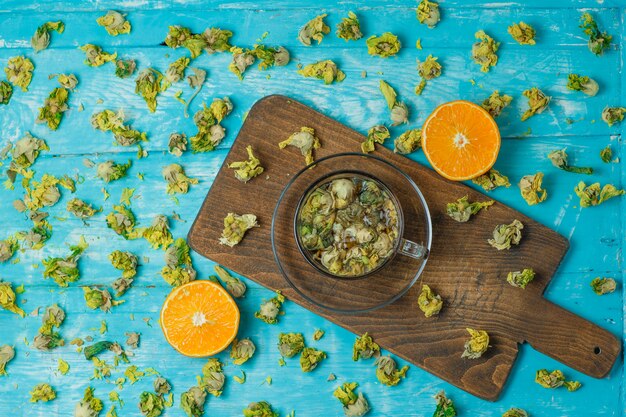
177 144
259 409
122 221
593 195
505 235
530 188
523 33
177 181
43 393
95 56
65 270
19 71
132 339
384 46
7 353
305 140
598 41
349 28
89 406
216 40
212 379
97 298
8 247
47 338
125 262
242 350
353 405
178 269
290 344
376 134
271 56
192 401
476 345
515 412
110 171
235 286
603 286
537 102
461 210
235 227
158 234
364 347
115 23
520 278
26 150
429 302
181 36
495 103
429 69
124 68
81 209
445 406
151 404
313 29
175 72
612 115
310 358
246 170
428 13
408 142
559 160
6 91
54 107
606 154
8 299
242 59
269 310
582 83
148 86
323 70
484 51
41 38
387 371
492 180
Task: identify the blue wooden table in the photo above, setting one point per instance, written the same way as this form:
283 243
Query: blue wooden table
596 234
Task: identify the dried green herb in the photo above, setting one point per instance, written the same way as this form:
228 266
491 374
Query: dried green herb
537 102
598 41
530 188
408 142
235 227
7 353
111 171
44 193
484 51
148 85
428 70
310 358
314 29
235 286
603 286
270 309
323 70
177 144
520 278
559 160
492 180
365 348
384 46
461 210
428 13
515 412
47 338
612 115
246 170
429 302
271 57
242 350
349 28
161 386
54 107
151 404
354 405
63 367
97 298
89 406
523 33
8 248
259 409
65 270
36 237
26 150
81 209
582 83
445 406
212 379
387 371
177 181
242 59
109 121
125 262
318 334
399 110
592 195
505 235
290 344
122 221
158 234
175 72
133 374
216 40
495 103
125 68
555 379
476 345
19 71
95 56
210 132
305 140
376 134
182 36
8 299
42 392
115 23
41 38
192 401
606 154
178 269
6 91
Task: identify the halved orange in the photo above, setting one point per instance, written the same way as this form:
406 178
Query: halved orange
199 318
460 140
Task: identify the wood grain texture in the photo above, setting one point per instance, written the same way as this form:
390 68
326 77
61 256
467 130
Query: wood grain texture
462 267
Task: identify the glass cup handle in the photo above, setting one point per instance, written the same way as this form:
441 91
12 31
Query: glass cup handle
412 249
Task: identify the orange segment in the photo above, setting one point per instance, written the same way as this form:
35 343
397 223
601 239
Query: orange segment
199 318
460 140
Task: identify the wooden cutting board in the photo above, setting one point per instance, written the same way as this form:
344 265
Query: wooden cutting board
467 273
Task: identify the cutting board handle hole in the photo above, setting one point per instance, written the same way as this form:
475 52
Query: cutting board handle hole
597 350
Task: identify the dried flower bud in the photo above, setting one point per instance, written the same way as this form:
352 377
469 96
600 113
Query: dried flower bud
314 29
376 134
19 71
8 299
445 406
582 83
65 270
41 38
606 154
429 69
384 46
43 393
115 23
530 188
323 70
242 350
593 195
521 278
354 405
515 412
150 404
290 344
484 51
612 115
522 33
148 85
192 402
537 102
495 103
259 409
505 235
7 353
212 379
269 310
234 286
246 170
110 171
364 347
95 56
122 221
177 181
305 140
598 41
408 142
81 209
235 227
476 345
6 91
559 160
492 180
158 234
178 269
387 371
125 262
349 28
125 68
603 286
428 13
54 106
216 40
462 209
429 302
310 358
271 56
